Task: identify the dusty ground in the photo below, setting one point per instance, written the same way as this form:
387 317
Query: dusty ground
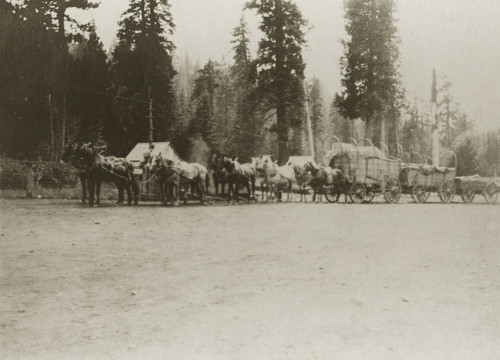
270 281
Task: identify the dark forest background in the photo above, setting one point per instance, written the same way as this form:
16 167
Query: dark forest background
59 85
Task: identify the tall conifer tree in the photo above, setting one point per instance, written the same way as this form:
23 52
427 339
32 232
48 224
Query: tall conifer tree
370 76
279 61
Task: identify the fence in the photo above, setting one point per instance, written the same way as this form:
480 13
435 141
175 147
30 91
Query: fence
43 179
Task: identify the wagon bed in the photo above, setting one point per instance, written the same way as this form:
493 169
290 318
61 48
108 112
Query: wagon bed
368 171
420 179
469 186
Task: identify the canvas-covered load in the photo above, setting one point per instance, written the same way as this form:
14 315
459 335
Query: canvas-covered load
365 164
425 174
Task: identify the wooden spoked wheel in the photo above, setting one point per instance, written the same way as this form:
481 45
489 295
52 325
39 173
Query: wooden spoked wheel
357 193
467 195
491 193
420 194
446 191
332 194
392 192
369 195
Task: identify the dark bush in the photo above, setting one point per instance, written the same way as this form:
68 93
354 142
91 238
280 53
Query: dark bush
53 175
12 175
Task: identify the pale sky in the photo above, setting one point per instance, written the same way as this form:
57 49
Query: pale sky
457 37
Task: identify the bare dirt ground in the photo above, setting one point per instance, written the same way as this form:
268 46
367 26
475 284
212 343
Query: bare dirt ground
264 281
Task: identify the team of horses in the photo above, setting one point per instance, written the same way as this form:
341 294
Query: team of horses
93 169
179 180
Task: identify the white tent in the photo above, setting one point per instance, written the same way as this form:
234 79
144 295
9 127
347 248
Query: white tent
136 155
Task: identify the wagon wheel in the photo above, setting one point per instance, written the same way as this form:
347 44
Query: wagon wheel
392 192
332 194
357 193
369 195
420 194
467 194
491 193
446 191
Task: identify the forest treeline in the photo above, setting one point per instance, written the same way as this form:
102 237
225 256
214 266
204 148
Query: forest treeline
60 85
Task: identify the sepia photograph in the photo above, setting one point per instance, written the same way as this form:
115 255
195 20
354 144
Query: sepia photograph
249 179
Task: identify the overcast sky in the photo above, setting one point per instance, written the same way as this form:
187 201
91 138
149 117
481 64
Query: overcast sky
457 37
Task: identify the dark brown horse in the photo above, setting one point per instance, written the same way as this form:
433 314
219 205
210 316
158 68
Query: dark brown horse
73 155
334 179
109 169
219 177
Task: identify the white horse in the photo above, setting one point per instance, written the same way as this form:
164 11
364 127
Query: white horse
276 176
302 167
174 173
260 178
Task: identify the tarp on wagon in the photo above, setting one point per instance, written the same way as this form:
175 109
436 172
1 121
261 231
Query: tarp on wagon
353 152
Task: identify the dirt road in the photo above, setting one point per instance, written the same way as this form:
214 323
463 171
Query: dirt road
270 281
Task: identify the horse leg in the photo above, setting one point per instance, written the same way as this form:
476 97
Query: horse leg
160 187
119 184
185 193
129 193
170 193
91 185
248 185
175 191
202 190
83 181
135 189
229 188
236 194
98 192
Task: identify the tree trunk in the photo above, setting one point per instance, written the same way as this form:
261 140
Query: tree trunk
383 131
368 128
282 129
61 10
280 86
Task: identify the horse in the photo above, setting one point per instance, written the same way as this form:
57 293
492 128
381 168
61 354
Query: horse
175 174
148 163
238 175
110 169
276 176
218 176
72 155
326 175
302 167
264 186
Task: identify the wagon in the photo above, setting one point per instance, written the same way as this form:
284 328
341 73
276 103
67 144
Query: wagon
368 171
469 186
420 179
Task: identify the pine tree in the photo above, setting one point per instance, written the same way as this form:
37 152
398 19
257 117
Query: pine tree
341 126
370 75
87 103
316 111
279 61
27 77
203 123
490 155
142 65
247 133
466 153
